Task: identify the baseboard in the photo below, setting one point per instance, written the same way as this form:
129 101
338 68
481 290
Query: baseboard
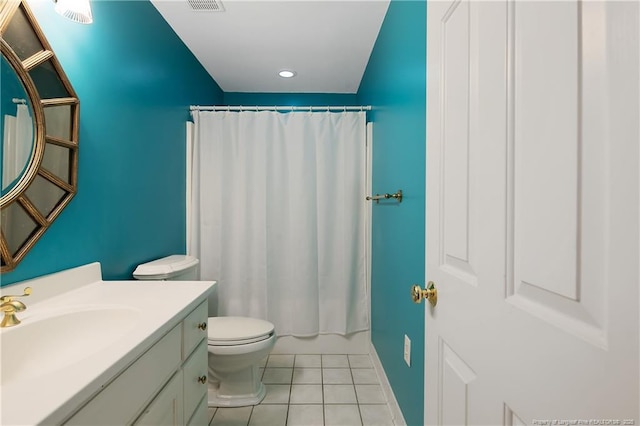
396 413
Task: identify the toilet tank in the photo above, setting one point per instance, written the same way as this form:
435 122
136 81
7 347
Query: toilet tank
177 267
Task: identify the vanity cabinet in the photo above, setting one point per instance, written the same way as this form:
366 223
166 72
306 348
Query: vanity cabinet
166 385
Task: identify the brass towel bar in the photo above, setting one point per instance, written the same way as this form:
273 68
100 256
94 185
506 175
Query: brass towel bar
378 197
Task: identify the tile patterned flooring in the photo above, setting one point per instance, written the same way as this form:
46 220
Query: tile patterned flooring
313 390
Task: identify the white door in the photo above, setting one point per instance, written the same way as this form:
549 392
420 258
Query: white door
532 213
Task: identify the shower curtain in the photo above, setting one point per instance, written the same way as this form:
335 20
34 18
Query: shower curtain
17 144
278 217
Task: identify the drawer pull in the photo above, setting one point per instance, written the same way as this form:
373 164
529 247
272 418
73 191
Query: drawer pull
202 379
202 326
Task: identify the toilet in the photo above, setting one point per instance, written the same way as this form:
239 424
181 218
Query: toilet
236 344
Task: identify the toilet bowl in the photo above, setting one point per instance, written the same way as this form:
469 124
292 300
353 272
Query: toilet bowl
235 344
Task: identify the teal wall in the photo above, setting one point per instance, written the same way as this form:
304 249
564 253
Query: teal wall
135 80
394 84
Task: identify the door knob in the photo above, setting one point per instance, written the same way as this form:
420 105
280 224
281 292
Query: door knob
430 293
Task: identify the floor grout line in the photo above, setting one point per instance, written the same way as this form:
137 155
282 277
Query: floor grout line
324 406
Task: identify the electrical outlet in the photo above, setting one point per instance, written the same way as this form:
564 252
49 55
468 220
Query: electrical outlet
407 350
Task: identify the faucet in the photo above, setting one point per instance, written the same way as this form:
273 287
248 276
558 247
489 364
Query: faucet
10 306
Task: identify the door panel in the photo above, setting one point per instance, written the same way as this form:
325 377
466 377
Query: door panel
546 145
553 164
456 233
454 387
511 418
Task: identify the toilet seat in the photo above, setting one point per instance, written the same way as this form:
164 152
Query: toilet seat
234 331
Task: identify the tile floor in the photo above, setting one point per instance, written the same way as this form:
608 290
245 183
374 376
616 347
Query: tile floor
313 390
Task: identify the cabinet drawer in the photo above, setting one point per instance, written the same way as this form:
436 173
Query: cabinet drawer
194 369
139 383
193 331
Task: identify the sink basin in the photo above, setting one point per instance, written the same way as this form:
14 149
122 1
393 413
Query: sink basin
50 341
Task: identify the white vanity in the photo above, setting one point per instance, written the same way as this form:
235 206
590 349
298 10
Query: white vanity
93 352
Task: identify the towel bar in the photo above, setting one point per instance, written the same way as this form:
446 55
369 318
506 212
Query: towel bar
378 197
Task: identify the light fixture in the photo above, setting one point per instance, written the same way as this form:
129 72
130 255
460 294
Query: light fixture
76 10
287 73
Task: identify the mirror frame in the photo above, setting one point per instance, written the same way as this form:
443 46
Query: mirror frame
17 194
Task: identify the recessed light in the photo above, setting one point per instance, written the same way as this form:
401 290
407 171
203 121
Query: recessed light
287 73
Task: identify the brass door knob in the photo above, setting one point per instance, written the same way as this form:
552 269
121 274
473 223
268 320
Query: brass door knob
430 293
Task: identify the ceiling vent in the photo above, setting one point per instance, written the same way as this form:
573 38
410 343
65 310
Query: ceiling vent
206 5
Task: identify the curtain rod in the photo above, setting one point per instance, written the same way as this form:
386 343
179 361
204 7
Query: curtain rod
279 108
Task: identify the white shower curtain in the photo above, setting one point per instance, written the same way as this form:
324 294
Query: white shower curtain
278 217
17 144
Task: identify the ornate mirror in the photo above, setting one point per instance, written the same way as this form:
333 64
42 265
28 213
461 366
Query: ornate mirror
39 113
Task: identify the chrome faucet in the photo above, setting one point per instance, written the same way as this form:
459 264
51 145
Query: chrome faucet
10 306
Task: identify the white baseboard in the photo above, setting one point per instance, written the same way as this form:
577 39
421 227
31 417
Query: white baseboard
396 413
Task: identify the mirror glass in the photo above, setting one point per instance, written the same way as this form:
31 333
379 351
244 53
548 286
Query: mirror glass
16 127
39 116
17 225
45 195
21 35
48 82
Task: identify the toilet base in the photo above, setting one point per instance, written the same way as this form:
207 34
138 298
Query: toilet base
216 399
235 389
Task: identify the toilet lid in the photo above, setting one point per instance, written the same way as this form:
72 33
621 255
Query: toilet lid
166 267
237 330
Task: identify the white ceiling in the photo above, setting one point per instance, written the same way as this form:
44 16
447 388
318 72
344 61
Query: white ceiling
327 42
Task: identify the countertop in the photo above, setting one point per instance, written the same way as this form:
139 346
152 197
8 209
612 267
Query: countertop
53 397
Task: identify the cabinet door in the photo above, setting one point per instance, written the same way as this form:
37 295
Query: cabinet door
121 400
166 408
199 418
